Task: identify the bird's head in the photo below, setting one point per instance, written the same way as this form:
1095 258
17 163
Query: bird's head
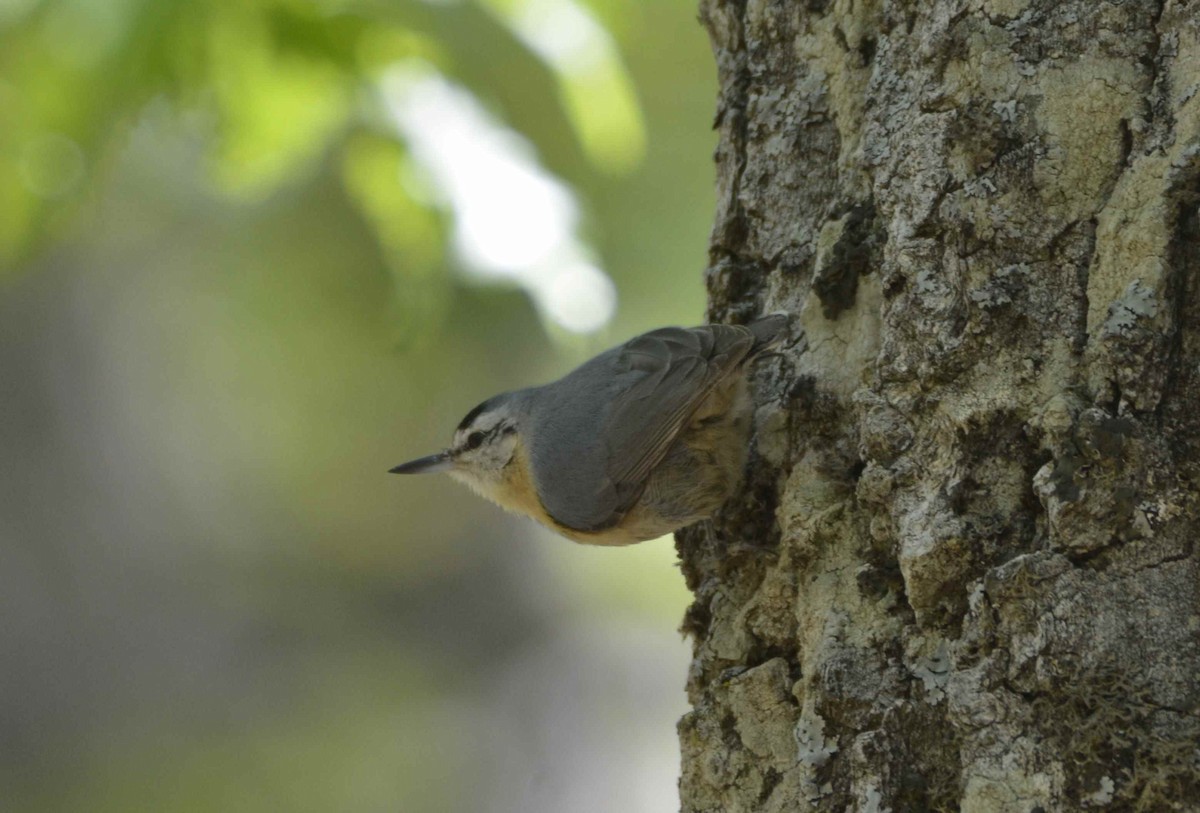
483 445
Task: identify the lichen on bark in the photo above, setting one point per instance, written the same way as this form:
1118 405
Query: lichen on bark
962 573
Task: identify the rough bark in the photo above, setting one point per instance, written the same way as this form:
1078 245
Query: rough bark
963 571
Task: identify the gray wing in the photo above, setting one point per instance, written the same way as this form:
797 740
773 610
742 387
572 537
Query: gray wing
606 425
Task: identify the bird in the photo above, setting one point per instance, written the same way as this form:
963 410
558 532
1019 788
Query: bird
644 439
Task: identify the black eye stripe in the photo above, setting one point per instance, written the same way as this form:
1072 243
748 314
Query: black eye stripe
477 438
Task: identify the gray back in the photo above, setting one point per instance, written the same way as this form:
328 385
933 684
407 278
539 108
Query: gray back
596 434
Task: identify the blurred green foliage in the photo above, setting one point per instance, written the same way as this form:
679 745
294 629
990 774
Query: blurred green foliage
229 301
284 84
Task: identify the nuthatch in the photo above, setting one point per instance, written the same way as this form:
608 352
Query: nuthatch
640 441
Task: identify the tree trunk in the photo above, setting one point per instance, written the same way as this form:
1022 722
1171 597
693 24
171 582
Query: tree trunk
962 573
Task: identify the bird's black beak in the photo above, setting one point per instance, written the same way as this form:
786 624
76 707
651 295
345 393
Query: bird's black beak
442 461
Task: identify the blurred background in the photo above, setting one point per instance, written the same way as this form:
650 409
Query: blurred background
253 253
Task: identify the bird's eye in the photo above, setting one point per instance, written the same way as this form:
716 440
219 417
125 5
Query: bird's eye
474 440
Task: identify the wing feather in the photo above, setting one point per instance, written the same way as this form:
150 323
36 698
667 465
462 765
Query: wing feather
646 420
624 410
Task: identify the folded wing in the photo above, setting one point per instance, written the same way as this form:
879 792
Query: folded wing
625 408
